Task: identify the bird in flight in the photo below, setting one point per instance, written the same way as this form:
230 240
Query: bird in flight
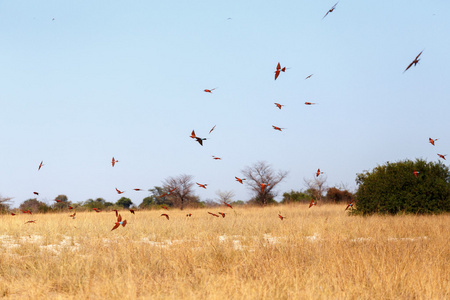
202 185
216 158
73 215
310 103
279 69
165 207
119 222
57 200
318 173
70 207
414 62
117 213
277 128
350 205
213 214
113 162
36 193
119 192
96 210
13 214
330 10
222 214
442 156
281 217
165 215
432 141
229 205
312 203
209 91
278 105
40 165
137 190
239 179
415 173
132 211
212 129
199 140
263 186
31 221
189 215
309 76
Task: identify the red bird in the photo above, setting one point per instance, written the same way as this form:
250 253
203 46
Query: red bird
26 211
212 129
318 173
13 214
73 215
57 200
199 140
96 210
119 192
222 214
312 203
119 222
137 190
117 213
213 214
350 205
442 156
165 215
31 221
277 128
132 211
70 207
229 205
36 193
165 207
414 62
202 185
415 173
263 186
113 162
432 141
40 165
278 105
310 103
309 76
188 215
216 158
239 179
330 10
193 135
281 217
209 91
279 69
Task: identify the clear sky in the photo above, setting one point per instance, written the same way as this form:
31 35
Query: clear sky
126 79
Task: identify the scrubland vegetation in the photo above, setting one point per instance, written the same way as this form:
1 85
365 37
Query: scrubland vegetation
315 253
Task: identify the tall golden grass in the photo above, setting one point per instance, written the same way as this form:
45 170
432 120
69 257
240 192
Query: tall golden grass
315 253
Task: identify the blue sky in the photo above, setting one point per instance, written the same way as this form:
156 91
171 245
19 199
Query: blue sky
126 79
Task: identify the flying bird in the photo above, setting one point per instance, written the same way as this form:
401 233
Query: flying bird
415 173
209 91
312 203
57 200
132 211
229 205
278 105
263 186
70 207
119 192
31 221
414 62
13 214
350 205
189 215
213 214
165 207
309 76
277 128
117 213
310 103
73 215
36 193
216 158
239 179
113 162
279 69
330 10
137 190
165 215
40 165
318 173
119 222
222 214
442 156
281 217
202 185
212 129
96 210
432 141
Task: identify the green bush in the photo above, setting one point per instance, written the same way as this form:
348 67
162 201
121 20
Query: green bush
394 188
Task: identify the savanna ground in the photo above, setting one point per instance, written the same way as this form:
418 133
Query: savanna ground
317 253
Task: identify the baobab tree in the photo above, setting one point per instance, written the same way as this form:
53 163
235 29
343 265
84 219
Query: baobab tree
182 187
262 180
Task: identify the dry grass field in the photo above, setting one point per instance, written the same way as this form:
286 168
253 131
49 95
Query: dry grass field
317 253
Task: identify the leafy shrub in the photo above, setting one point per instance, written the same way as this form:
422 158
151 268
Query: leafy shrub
395 187
335 195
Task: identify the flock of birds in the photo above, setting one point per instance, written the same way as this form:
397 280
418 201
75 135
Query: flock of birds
121 222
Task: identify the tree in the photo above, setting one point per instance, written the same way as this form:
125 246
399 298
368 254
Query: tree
316 187
336 195
182 193
63 202
262 180
124 202
34 206
405 186
99 203
296 196
225 196
4 206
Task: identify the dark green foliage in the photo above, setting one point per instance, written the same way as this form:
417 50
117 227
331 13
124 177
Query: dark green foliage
99 203
335 195
124 202
393 188
295 196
